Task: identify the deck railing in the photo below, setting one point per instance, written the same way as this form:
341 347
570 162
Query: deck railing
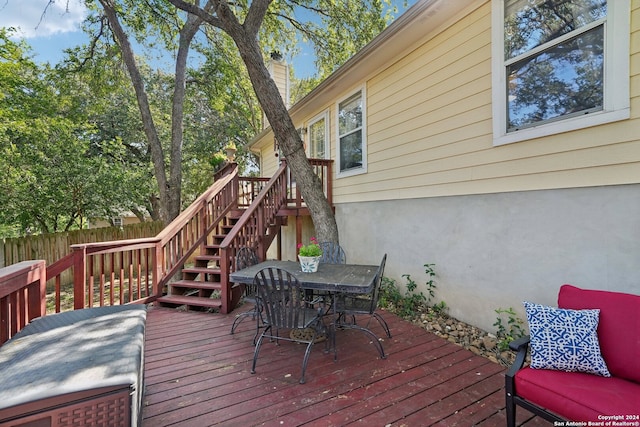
322 169
22 291
253 228
136 270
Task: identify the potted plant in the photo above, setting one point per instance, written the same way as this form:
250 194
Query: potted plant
309 256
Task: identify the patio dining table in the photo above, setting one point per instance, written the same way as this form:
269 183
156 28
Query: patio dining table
347 278
330 278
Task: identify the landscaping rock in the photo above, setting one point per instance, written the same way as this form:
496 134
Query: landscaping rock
476 340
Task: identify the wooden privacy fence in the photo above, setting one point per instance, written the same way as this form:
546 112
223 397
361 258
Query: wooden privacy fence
54 246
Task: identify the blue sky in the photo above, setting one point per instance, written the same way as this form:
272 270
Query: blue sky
50 30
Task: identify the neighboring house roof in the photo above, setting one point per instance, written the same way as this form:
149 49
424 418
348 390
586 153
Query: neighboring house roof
422 19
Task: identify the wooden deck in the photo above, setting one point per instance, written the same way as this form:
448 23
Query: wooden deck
197 374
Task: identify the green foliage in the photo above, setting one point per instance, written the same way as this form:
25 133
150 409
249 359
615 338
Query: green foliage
410 303
60 158
508 329
311 249
72 141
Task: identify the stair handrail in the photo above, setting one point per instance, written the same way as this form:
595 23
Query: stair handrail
251 228
151 261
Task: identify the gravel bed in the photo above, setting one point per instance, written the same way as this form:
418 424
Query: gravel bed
476 340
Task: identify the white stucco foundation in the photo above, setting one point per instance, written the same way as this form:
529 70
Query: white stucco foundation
496 250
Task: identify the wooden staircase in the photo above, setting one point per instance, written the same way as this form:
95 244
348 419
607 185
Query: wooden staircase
252 217
201 283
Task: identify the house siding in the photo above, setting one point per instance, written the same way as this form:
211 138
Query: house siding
502 223
430 129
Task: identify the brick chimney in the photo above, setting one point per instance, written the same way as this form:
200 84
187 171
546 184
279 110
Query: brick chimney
279 71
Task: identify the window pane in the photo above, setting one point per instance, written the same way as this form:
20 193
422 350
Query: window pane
317 137
351 151
531 23
350 114
565 79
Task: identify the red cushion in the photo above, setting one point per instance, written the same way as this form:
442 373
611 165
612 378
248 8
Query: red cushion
618 329
577 396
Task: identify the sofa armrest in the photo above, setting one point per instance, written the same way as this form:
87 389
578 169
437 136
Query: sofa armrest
516 345
521 345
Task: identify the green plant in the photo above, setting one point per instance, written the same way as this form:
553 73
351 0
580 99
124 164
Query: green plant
410 303
509 331
389 293
312 249
431 287
440 308
217 160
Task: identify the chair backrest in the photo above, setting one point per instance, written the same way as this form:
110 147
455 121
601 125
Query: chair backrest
376 287
618 327
332 253
246 257
281 297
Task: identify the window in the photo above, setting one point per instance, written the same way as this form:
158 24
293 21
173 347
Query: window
351 135
318 132
556 67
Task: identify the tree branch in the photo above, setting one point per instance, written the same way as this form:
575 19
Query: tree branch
203 13
257 11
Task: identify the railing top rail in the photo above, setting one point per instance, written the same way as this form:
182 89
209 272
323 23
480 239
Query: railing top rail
186 215
19 275
142 242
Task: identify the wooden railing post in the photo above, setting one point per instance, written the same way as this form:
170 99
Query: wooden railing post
22 296
79 276
37 278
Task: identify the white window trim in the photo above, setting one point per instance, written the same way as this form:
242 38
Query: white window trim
324 115
363 169
616 78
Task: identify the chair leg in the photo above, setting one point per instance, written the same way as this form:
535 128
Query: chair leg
257 349
239 318
305 360
510 406
383 323
373 337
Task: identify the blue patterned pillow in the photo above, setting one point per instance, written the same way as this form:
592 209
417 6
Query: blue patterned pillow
565 340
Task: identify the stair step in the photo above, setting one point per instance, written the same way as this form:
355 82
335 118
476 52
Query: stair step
208 257
196 284
201 270
191 301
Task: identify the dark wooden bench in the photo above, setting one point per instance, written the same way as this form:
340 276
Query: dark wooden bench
562 396
83 367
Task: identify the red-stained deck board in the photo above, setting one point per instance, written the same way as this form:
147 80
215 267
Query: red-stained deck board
198 374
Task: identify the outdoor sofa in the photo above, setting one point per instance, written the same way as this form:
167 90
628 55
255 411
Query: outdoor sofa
585 360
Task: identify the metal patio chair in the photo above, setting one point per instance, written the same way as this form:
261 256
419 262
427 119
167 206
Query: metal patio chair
348 306
285 306
246 257
332 253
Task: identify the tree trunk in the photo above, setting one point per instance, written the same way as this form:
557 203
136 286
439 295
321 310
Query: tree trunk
245 36
289 141
169 189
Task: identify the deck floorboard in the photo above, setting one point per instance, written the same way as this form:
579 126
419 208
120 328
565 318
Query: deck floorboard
198 374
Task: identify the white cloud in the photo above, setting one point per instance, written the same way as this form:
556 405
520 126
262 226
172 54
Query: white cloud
33 18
